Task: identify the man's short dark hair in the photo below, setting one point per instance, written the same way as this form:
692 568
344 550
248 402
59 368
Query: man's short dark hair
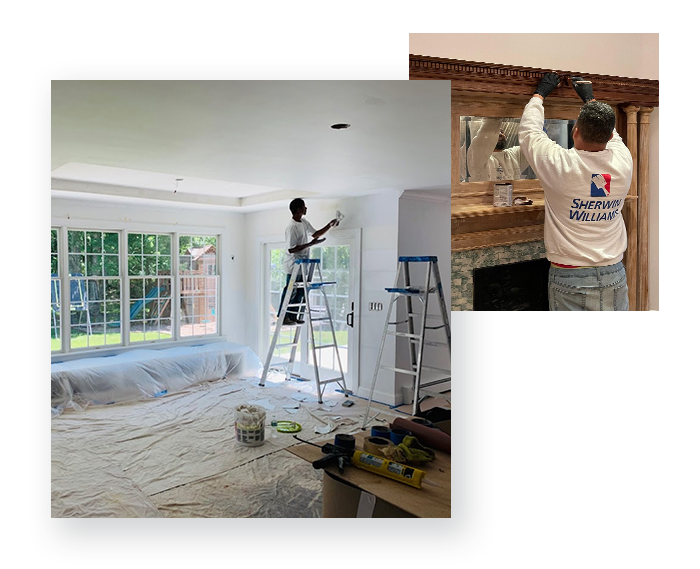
596 122
296 204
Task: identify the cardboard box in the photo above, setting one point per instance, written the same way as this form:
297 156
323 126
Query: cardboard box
344 500
445 426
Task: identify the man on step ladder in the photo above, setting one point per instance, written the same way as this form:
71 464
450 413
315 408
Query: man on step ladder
299 237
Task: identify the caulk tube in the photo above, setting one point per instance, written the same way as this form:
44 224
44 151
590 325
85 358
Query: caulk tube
382 466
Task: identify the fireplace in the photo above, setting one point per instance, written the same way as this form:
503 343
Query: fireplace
513 259
514 286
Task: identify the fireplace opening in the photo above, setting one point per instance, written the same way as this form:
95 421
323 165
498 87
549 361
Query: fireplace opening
515 286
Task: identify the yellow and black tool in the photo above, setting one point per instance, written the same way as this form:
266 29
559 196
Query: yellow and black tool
385 467
370 462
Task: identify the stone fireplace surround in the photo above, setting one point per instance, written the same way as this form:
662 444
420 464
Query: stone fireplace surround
464 263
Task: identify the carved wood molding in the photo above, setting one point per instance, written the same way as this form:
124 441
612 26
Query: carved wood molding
510 80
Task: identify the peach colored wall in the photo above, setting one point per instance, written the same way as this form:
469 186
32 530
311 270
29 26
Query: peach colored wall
624 55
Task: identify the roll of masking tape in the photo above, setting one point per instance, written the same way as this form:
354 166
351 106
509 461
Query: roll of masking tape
381 431
345 441
374 445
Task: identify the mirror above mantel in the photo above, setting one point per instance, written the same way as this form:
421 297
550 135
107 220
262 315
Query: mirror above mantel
486 91
489 149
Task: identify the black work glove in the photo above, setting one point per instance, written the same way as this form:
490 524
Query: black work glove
584 90
549 82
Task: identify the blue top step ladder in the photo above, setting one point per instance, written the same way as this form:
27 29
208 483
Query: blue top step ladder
413 328
303 277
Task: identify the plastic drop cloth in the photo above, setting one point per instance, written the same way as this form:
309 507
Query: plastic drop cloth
142 373
97 488
177 455
278 485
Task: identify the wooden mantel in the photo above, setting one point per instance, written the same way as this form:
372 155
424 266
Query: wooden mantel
493 90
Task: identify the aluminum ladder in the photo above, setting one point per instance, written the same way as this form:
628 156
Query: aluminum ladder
405 290
305 268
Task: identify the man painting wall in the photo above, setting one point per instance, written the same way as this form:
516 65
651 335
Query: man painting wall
299 237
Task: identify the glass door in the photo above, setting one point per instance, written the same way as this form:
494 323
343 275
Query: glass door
339 256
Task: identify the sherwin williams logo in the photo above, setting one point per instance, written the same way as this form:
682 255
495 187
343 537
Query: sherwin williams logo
600 185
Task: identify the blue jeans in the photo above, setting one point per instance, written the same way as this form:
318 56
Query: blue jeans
297 297
595 288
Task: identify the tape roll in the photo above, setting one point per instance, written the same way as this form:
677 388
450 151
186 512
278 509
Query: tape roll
430 437
381 431
420 421
345 441
398 434
374 445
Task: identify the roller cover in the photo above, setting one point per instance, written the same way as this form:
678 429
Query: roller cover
428 436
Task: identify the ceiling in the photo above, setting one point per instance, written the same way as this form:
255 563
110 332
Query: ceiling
247 145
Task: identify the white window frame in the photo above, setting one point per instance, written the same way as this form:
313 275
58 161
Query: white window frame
127 285
63 225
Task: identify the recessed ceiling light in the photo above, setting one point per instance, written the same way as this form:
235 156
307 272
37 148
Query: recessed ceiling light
340 126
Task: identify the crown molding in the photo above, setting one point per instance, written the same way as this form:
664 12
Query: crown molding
508 80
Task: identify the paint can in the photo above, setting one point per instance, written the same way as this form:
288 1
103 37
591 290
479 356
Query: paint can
502 195
250 425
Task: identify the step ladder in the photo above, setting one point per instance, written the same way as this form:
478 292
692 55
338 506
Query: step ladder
415 332
306 269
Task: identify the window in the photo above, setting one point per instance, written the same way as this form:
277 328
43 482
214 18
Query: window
199 285
120 287
95 288
150 286
335 267
278 278
55 294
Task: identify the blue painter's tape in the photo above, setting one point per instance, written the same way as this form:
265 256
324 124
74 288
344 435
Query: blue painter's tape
381 431
305 261
397 435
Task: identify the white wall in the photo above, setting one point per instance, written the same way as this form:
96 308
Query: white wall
424 229
377 216
624 55
229 225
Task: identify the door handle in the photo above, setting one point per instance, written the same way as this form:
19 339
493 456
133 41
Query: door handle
350 316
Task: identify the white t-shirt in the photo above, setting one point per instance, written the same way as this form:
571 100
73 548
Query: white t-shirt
297 233
484 164
583 192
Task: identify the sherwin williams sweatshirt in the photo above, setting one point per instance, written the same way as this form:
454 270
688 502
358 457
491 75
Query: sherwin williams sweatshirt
484 164
583 193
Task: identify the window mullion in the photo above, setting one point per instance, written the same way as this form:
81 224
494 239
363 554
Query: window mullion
218 285
125 300
176 302
64 279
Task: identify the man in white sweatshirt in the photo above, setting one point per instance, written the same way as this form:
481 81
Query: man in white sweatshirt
299 237
584 190
489 159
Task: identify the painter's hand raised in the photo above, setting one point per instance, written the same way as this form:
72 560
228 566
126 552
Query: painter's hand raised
549 82
583 89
